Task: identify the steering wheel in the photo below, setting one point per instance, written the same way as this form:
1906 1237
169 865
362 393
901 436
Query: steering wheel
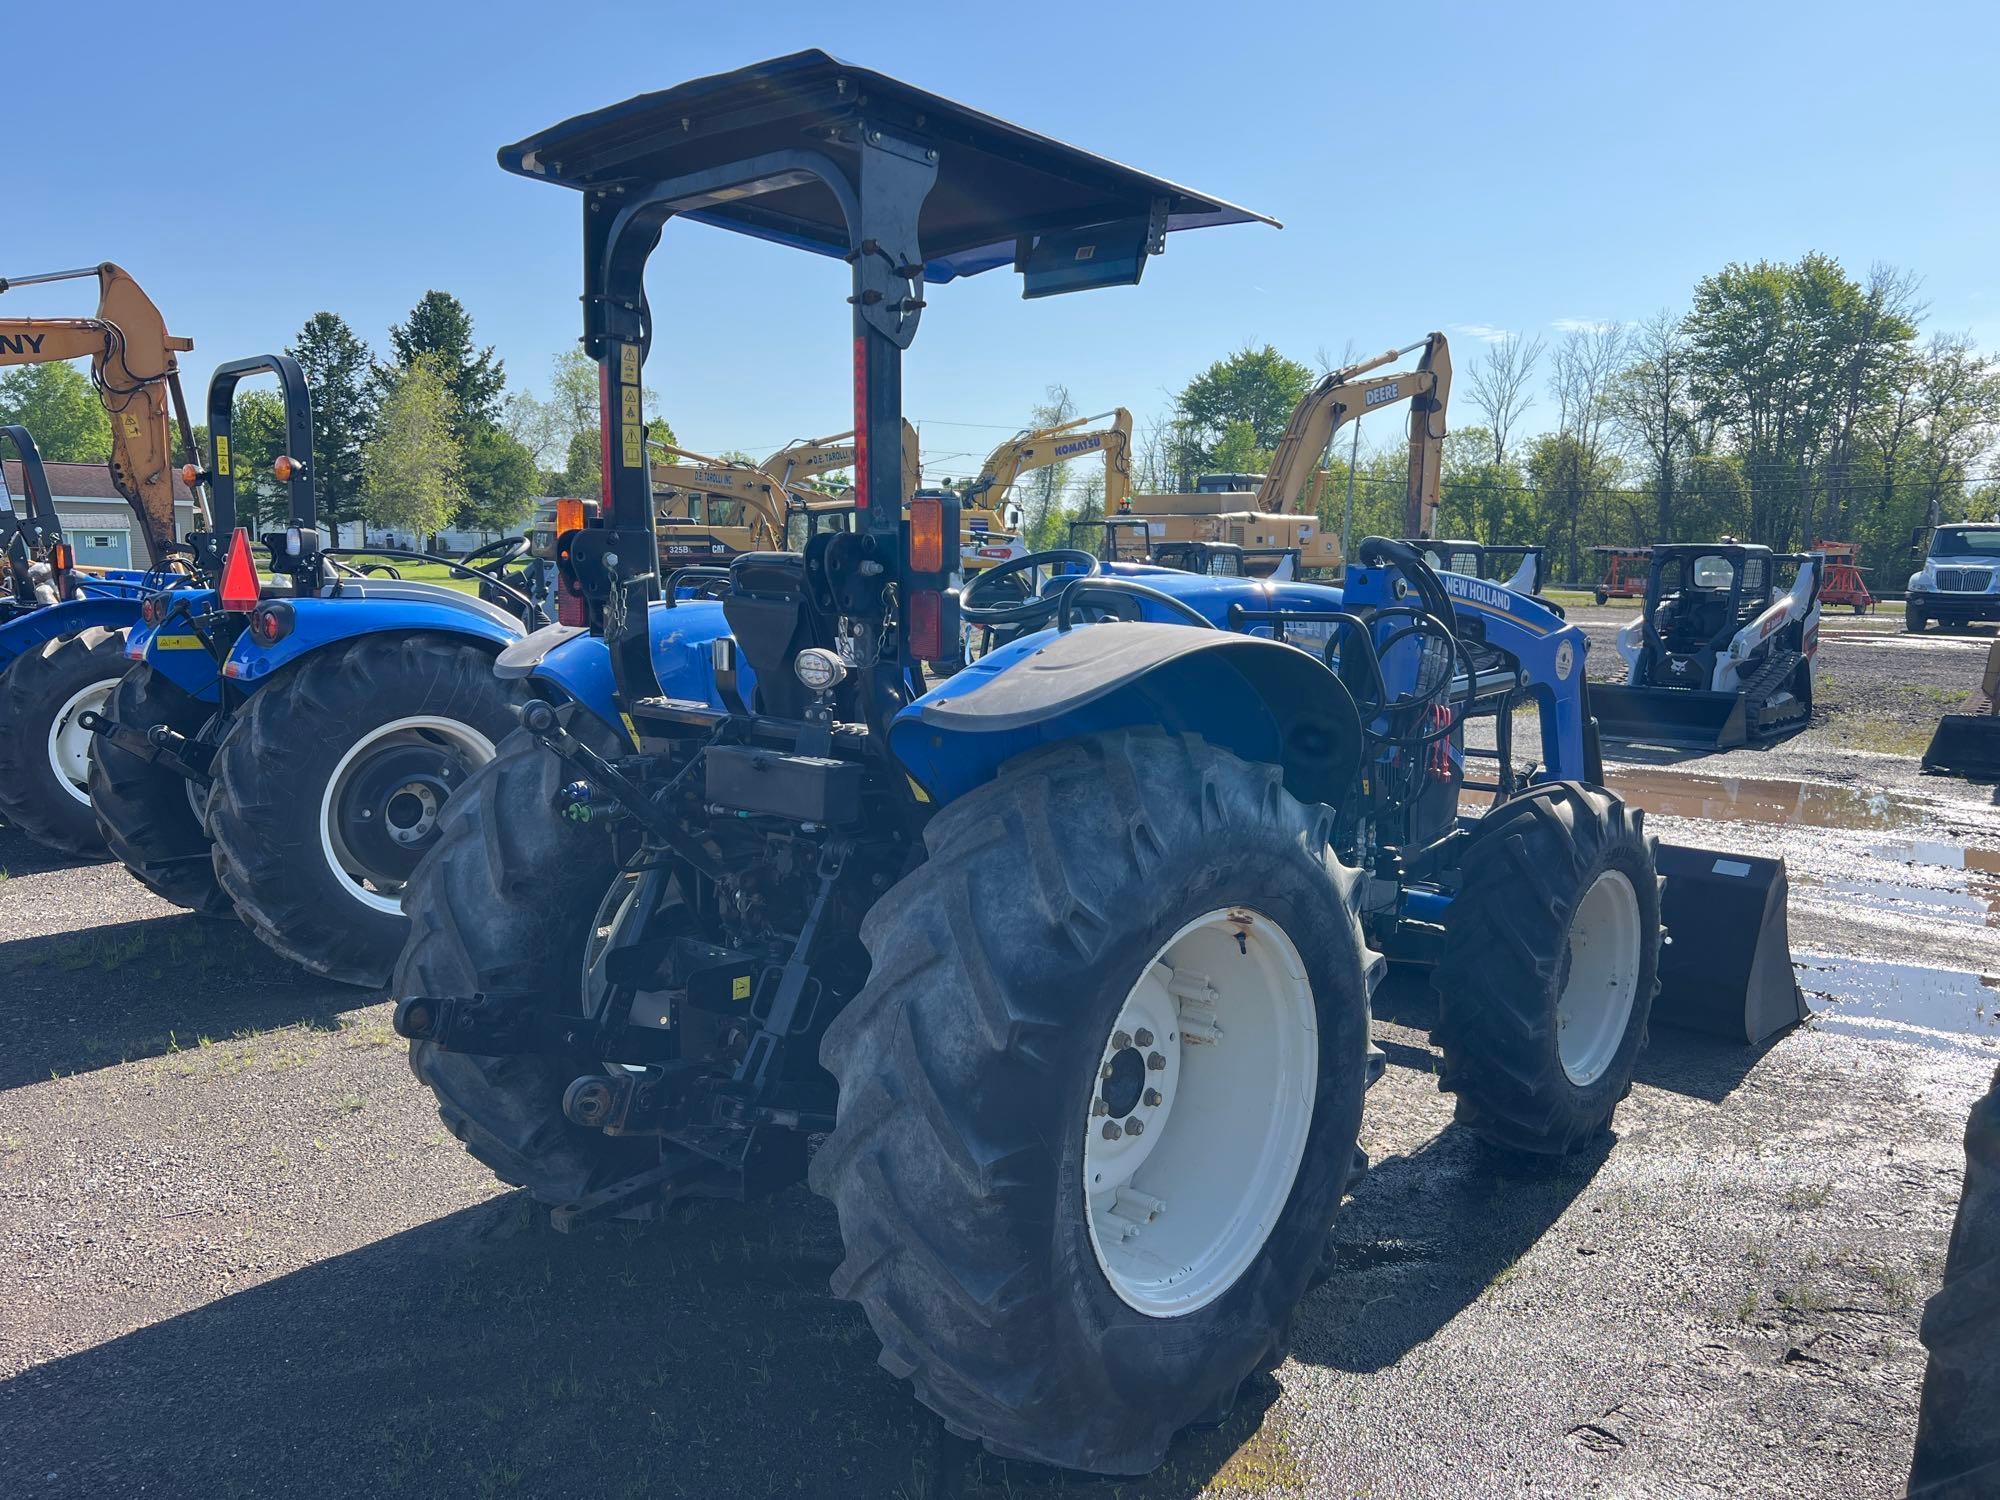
504 551
986 604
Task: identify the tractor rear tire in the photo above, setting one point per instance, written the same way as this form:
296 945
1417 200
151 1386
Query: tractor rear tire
146 812
970 1069
1538 1062
44 754
502 906
345 762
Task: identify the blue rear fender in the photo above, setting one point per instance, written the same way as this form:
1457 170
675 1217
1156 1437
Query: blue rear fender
1263 700
369 610
27 632
172 649
567 663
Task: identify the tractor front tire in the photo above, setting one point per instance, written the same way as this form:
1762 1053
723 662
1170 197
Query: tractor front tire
147 812
1601 597
44 752
330 783
1130 958
1914 619
1549 966
503 906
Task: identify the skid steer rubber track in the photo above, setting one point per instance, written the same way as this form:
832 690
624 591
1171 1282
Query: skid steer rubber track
1769 709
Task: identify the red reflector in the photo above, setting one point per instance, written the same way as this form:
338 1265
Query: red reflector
861 424
926 633
240 584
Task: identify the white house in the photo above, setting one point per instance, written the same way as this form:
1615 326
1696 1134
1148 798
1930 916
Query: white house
96 519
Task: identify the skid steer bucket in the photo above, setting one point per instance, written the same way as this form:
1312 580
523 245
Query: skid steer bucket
1966 745
1669 716
1727 967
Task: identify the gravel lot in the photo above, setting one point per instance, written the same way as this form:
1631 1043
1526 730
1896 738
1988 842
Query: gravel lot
240 1256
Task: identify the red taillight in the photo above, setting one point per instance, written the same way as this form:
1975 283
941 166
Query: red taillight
926 625
270 623
926 536
861 424
150 611
240 585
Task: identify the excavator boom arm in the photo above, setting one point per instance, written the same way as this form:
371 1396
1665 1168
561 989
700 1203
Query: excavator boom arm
1027 451
1352 392
133 365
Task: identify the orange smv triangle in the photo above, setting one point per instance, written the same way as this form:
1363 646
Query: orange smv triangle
240 584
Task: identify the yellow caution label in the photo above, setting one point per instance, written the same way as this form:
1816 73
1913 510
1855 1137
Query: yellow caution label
182 642
221 455
131 425
918 792
628 403
628 364
634 446
739 987
630 728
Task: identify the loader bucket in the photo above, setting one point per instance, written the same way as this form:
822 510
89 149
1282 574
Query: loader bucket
1668 716
1966 745
1726 969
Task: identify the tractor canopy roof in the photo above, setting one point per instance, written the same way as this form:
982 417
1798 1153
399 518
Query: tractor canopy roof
999 187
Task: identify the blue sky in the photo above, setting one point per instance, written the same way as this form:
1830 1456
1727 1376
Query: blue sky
1465 167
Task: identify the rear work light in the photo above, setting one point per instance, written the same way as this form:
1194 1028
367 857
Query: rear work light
271 623
241 587
926 625
926 536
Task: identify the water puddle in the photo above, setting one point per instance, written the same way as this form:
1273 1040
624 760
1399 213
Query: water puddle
1946 1010
1749 799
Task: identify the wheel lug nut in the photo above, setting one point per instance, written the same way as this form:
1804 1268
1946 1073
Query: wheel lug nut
1142 1037
1155 1061
1120 1040
1153 1097
1111 1130
1099 1107
1135 1126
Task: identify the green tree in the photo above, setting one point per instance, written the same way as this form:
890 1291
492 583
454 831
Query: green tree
1788 361
1040 493
1242 402
413 465
338 369
500 482
256 439
440 329
58 406
564 427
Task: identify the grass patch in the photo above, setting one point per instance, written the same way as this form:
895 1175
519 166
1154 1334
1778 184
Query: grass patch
1807 1195
416 572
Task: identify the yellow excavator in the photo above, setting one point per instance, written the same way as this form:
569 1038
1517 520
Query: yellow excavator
712 509
1279 519
134 365
993 523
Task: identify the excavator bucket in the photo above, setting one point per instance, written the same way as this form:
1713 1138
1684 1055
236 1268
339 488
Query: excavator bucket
1966 745
1670 716
1726 969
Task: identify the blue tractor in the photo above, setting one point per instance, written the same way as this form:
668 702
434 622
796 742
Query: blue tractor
283 745
62 651
1069 953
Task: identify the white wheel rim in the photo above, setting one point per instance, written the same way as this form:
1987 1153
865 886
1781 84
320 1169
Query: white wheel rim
1179 1209
1602 978
69 741
474 748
